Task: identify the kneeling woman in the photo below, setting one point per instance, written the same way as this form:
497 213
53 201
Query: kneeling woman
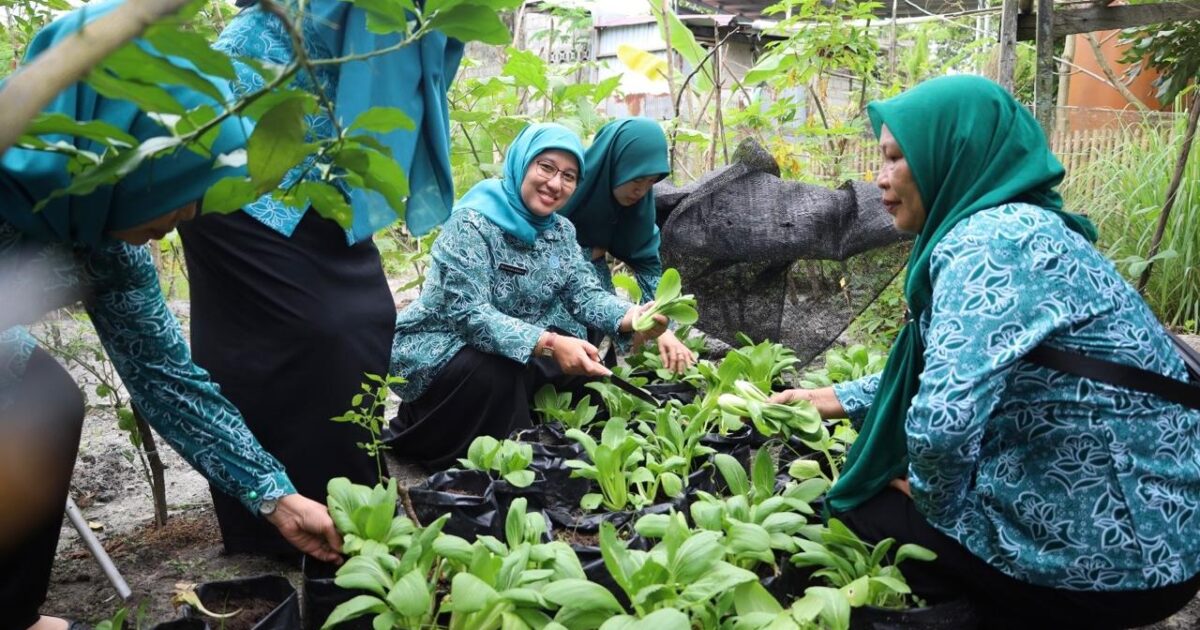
1051 500
476 344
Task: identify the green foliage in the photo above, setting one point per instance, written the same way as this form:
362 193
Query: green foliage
757 519
764 364
555 406
845 364
669 303
1172 49
855 568
615 464
1125 198
777 420
509 459
279 140
366 411
685 571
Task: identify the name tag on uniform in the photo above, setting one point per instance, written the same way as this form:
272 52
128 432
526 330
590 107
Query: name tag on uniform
520 271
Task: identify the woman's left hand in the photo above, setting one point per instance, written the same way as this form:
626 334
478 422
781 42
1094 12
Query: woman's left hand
675 356
659 327
901 484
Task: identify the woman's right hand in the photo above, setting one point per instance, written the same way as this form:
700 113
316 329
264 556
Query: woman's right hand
575 356
823 399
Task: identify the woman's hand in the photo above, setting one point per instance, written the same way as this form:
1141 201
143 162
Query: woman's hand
823 399
675 356
573 356
307 526
640 337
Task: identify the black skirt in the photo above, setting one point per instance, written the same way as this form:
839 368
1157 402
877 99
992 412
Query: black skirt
288 327
475 394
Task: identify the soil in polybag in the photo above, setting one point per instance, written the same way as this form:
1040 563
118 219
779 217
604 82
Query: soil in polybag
266 602
466 495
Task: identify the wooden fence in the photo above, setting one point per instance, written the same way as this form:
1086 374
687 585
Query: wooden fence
836 159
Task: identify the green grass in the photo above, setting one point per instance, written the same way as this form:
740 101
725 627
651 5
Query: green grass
1124 194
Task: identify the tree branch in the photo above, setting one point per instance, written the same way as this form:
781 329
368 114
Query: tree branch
1112 76
32 87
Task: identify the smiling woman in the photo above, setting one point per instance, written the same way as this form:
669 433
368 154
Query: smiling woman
477 343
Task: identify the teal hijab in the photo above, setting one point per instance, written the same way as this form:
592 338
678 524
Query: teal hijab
500 199
156 188
414 79
623 150
970 147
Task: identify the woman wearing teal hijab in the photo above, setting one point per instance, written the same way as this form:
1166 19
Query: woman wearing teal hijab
85 248
613 213
289 310
477 343
1051 500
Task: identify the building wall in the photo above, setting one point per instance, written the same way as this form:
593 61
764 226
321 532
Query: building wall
1087 92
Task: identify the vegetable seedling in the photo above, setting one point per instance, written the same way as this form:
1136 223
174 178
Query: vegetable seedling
669 303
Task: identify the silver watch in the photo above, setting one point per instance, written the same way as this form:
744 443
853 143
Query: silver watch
267 507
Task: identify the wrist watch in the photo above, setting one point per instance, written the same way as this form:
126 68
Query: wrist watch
267 507
548 347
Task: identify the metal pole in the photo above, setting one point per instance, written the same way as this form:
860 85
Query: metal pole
97 550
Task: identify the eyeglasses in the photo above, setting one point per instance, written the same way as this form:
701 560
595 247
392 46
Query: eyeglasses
547 171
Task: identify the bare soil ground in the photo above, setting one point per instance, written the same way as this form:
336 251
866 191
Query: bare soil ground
115 498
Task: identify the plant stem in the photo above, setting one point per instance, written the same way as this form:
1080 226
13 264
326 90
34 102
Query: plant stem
1172 190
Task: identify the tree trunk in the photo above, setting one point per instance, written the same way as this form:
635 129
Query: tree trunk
158 481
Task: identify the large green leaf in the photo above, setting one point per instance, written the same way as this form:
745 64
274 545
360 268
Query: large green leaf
169 39
382 120
149 98
277 144
669 286
386 16
410 595
683 42
753 597
697 555
528 69
470 23
353 609
229 194
98 130
134 63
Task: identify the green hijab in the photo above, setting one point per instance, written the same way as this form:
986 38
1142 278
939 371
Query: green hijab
624 150
500 199
970 147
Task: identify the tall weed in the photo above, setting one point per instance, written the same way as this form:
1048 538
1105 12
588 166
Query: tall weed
1124 192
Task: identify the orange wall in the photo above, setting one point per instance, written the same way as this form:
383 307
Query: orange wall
1088 92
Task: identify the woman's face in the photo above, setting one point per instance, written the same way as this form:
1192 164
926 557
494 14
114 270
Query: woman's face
901 197
549 182
155 228
633 190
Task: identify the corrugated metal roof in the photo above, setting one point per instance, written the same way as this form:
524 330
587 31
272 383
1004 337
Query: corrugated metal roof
644 36
752 9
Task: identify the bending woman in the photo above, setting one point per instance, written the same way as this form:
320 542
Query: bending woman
476 344
86 247
613 213
1051 500
289 310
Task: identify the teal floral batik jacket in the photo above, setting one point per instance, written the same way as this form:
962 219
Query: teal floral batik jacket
1054 479
490 291
148 349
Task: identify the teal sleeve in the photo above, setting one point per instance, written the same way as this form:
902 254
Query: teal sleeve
856 397
174 395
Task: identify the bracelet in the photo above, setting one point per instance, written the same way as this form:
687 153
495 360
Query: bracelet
548 347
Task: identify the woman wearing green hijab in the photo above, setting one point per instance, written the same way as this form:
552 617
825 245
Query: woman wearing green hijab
478 343
613 213
1051 500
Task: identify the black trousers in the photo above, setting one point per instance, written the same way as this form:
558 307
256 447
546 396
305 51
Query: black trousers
287 326
47 416
475 394
1003 601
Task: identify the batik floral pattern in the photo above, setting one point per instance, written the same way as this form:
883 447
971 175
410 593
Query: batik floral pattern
1054 479
151 355
490 291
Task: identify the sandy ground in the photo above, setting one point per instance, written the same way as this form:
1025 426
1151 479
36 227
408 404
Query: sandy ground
115 498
